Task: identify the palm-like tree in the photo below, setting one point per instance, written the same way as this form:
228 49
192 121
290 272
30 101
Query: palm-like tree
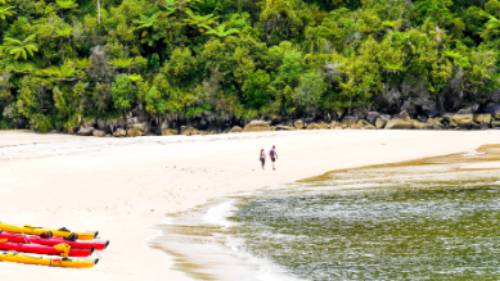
168 6
5 12
66 4
146 22
20 49
221 31
201 22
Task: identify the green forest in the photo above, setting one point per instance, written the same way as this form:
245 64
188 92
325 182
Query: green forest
219 63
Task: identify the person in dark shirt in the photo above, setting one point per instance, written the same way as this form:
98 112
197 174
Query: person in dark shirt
273 155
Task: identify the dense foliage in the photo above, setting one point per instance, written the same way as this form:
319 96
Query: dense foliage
222 62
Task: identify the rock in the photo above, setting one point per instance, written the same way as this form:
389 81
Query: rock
190 131
318 126
168 132
382 121
283 128
468 110
85 131
495 123
350 120
494 110
236 129
257 126
142 126
372 116
404 115
135 132
484 120
398 123
120 133
435 123
99 133
299 124
465 121
336 125
362 124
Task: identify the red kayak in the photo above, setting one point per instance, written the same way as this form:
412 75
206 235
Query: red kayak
20 238
43 250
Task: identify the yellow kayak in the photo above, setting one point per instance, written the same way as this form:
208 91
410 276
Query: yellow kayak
54 262
40 231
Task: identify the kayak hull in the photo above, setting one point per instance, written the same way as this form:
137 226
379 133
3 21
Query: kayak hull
43 250
44 261
20 238
46 232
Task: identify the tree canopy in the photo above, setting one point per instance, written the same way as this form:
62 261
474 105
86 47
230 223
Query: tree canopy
216 63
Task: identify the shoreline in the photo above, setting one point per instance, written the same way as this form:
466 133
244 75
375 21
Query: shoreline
124 187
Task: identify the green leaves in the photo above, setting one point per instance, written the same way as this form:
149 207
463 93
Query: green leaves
66 4
20 49
221 31
5 12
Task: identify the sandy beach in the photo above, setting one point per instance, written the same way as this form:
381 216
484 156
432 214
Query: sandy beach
125 187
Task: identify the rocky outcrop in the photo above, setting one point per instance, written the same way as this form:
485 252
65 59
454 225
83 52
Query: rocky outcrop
236 129
336 125
484 120
168 132
299 124
190 131
398 123
257 126
283 128
120 133
362 124
463 121
85 130
382 121
134 132
372 117
318 126
99 133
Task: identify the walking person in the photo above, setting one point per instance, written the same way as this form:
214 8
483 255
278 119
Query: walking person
273 155
262 158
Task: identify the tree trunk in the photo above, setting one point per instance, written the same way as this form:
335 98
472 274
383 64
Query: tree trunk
99 12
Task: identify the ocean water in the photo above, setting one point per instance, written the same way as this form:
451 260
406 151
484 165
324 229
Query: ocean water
433 220
430 219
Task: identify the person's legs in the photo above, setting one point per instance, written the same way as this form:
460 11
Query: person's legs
273 160
263 163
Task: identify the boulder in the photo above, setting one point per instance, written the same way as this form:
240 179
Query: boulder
120 133
318 126
99 133
404 115
468 110
299 124
382 121
141 126
362 124
495 123
372 117
484 120
398 123
135 132
257 126
336 125
236 129
283 128
465 121
190 131
435 123
85 131
350 120
168 132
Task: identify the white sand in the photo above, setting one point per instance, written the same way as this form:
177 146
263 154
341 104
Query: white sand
124 187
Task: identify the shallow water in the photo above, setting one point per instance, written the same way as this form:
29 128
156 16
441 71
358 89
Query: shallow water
424 221
429 219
